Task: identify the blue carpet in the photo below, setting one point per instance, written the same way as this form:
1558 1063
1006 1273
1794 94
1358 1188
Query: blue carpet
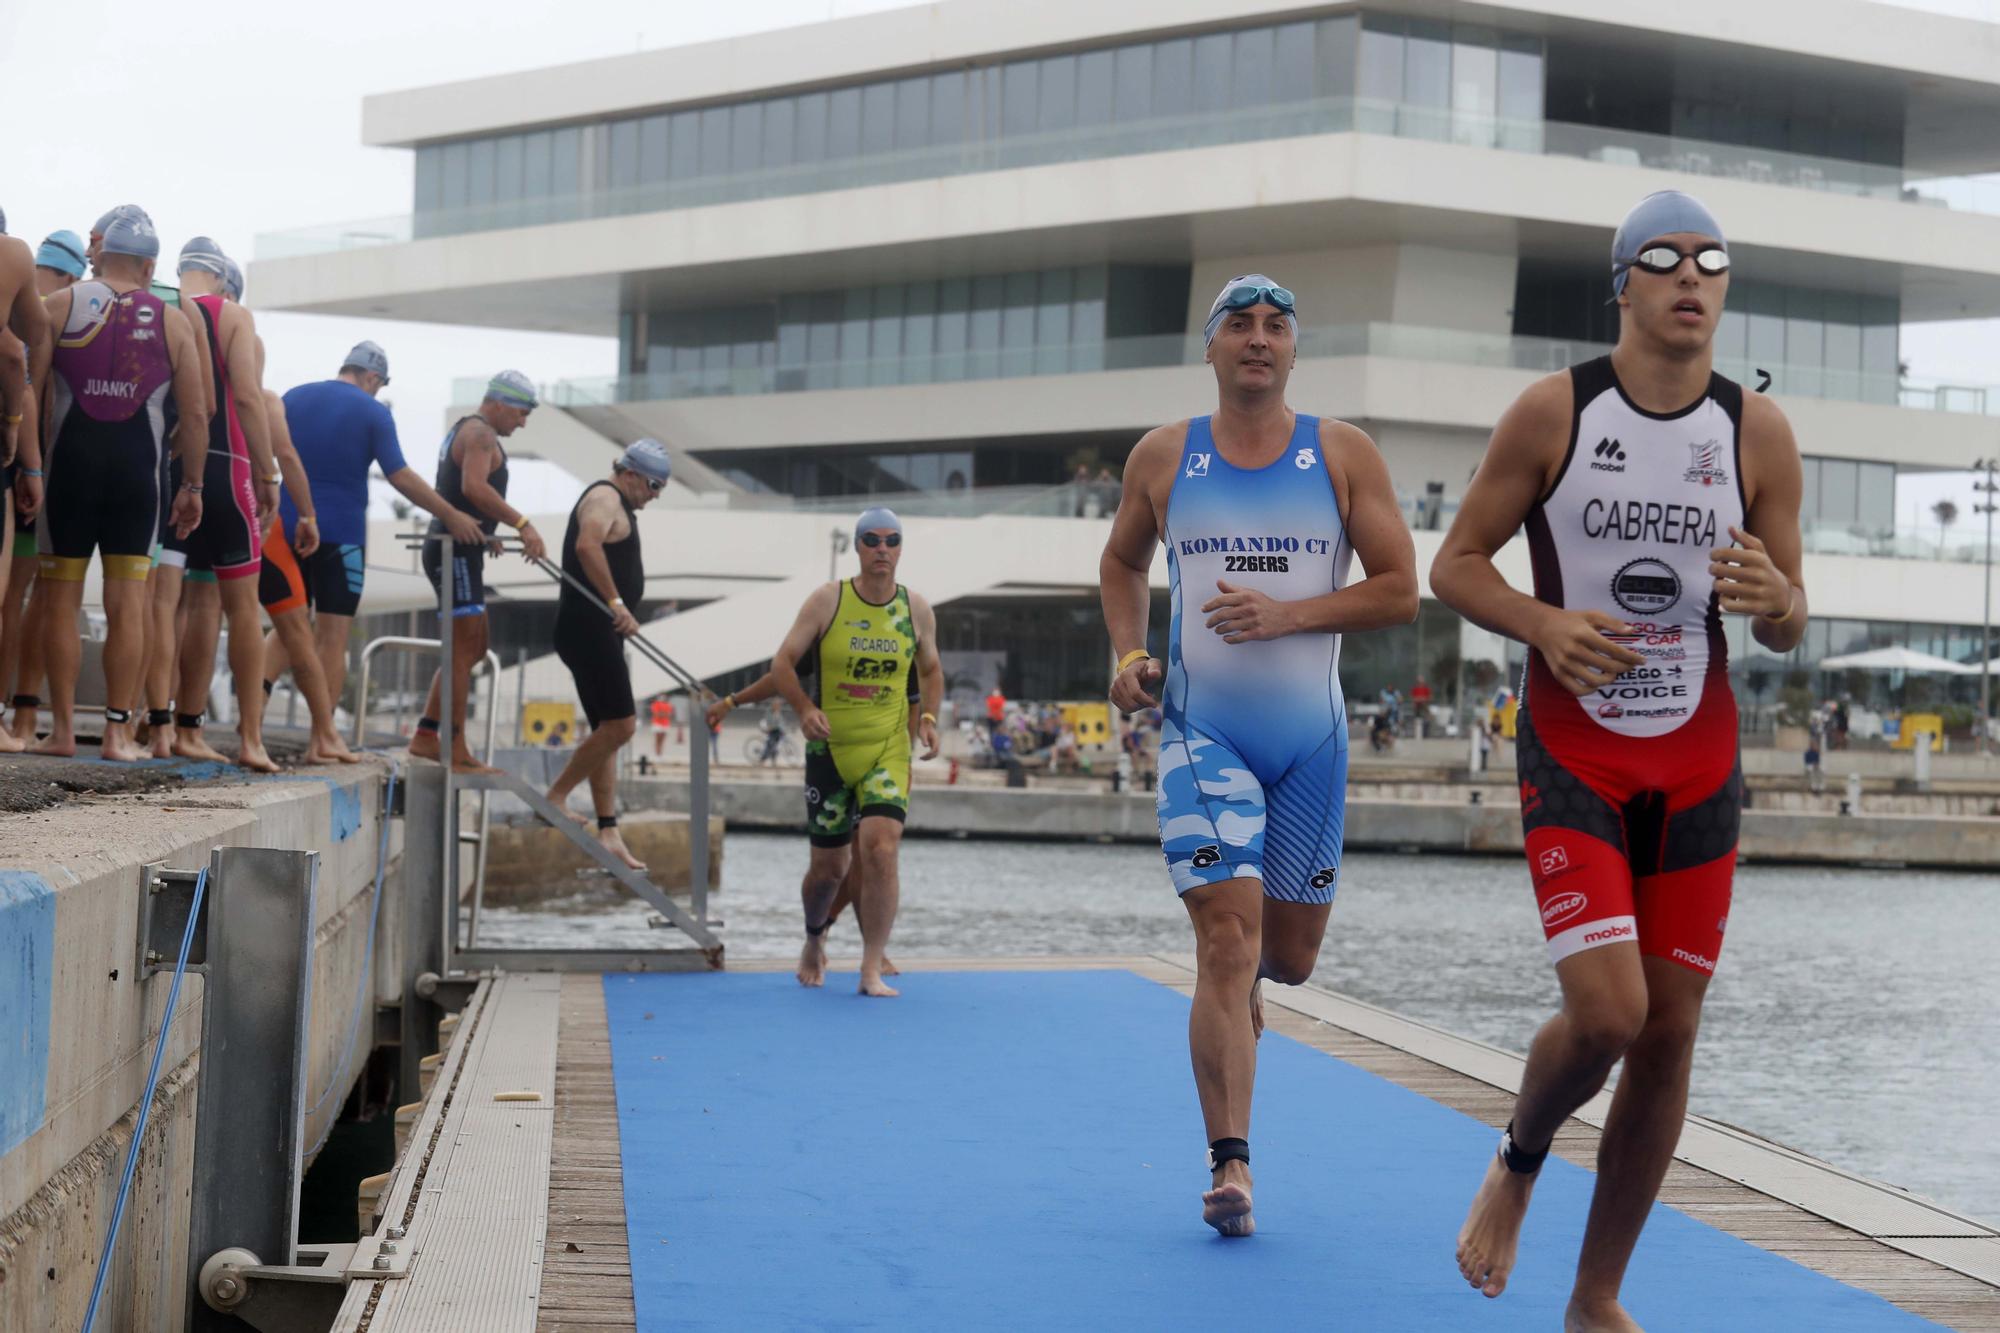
1023 1150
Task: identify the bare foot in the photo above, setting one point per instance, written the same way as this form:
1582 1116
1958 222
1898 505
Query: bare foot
876 987
614 842
1227 1206
329 749
812 962
889 969
424 745
59 743
117 745
252 756
24 725
562 803
162 742
1257 1007
1492 1231
463 762
11 744
1598 1317
193 745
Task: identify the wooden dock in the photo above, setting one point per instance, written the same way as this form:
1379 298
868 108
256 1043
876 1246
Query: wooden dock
1921 1258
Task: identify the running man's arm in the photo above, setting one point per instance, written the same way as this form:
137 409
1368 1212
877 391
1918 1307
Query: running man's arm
756 692
1760 575
191 434
463 527
814 617
1124 571
1521 460
1372 523
597 519
930 673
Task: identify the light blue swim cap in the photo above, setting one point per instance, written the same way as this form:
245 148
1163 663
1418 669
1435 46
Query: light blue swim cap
232 279
103 224
130 232
513 388
203 254
875 520
63 252
1659 214
1220 306
648 458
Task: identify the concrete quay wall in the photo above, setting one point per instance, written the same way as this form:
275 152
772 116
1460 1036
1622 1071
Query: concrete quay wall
79 1026
1493 825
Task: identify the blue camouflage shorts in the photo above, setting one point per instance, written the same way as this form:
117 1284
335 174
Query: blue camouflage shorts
1218 821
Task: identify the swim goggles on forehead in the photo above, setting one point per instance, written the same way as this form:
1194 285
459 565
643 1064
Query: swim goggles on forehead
1664 259
1244 296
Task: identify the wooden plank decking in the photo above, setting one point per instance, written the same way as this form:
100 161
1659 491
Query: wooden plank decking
587 1276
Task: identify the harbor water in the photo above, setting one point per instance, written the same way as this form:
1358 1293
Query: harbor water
1852 1017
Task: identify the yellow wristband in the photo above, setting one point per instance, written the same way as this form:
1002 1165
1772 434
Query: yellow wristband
728 702
927 717
1791 605
13 418
1129 658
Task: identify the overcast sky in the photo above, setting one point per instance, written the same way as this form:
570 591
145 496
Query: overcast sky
257 126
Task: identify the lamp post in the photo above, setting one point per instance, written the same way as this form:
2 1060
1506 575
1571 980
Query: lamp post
1987 488
838 544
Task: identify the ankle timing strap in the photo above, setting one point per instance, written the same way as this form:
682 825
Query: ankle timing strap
427 724
159 717
269 685
188 721
119 715
820 929
607 821
1228 1150
27 701
1517 1160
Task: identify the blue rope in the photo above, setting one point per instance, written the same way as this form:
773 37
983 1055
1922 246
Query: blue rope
367 985
145 1104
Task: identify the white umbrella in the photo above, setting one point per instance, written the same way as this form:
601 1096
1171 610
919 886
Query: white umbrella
1897 659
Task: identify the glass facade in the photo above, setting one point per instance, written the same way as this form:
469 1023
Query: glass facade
1817 344
980 326
818 472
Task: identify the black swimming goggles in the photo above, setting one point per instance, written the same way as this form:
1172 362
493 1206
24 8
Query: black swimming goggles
1664 259
874 539
1254 293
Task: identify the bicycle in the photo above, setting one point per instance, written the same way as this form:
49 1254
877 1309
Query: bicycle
787 751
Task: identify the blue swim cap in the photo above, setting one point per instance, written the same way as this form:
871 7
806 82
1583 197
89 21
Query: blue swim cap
232 279
874 520
63 252
103 224
512 388
1659 214
3 222
649 459
130 232
203 254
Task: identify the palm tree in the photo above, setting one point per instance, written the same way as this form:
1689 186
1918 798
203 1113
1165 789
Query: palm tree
1946 514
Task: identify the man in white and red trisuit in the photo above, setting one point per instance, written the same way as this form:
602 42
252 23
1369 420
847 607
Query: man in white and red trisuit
1658 497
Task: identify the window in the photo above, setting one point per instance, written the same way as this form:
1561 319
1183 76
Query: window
1380 78
684 154
1057 96
1336 46
856 308
624 154
1252 68
715 141
812 127
885 349
566 162
479 173
1426 79
920 332
1173 78
1875 499
1475 85
1094 88
1292 69
794 331
953 318
746 137
843 124
1132 83
823 341
656 140
1520 78
1212 58
1052 331
1839 482
983 333
1017 324
1086 326
878 118
430 177
1018 108
1809 497
778 131
913 114
948 108
507 169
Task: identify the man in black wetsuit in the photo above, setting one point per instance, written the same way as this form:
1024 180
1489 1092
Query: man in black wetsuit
601 550
472 476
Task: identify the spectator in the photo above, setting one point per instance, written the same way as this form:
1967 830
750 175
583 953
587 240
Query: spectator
996 710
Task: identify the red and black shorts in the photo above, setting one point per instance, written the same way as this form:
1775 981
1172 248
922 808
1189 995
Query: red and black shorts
1632 838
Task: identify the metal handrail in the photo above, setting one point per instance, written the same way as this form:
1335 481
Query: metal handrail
404 643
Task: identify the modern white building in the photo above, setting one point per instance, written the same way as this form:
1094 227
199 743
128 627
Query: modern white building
950 257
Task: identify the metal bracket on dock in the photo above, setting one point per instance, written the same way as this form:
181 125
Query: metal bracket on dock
250 1109
164 898
447 993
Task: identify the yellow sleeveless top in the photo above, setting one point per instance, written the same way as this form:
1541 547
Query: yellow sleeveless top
864 663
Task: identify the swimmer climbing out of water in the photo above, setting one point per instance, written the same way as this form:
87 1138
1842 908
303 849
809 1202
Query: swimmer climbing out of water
864 637
1261 509
1631 786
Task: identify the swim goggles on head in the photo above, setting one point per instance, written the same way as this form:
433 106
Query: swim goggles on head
1252 293
1662 259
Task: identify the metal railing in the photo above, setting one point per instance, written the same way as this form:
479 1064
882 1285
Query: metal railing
491 662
